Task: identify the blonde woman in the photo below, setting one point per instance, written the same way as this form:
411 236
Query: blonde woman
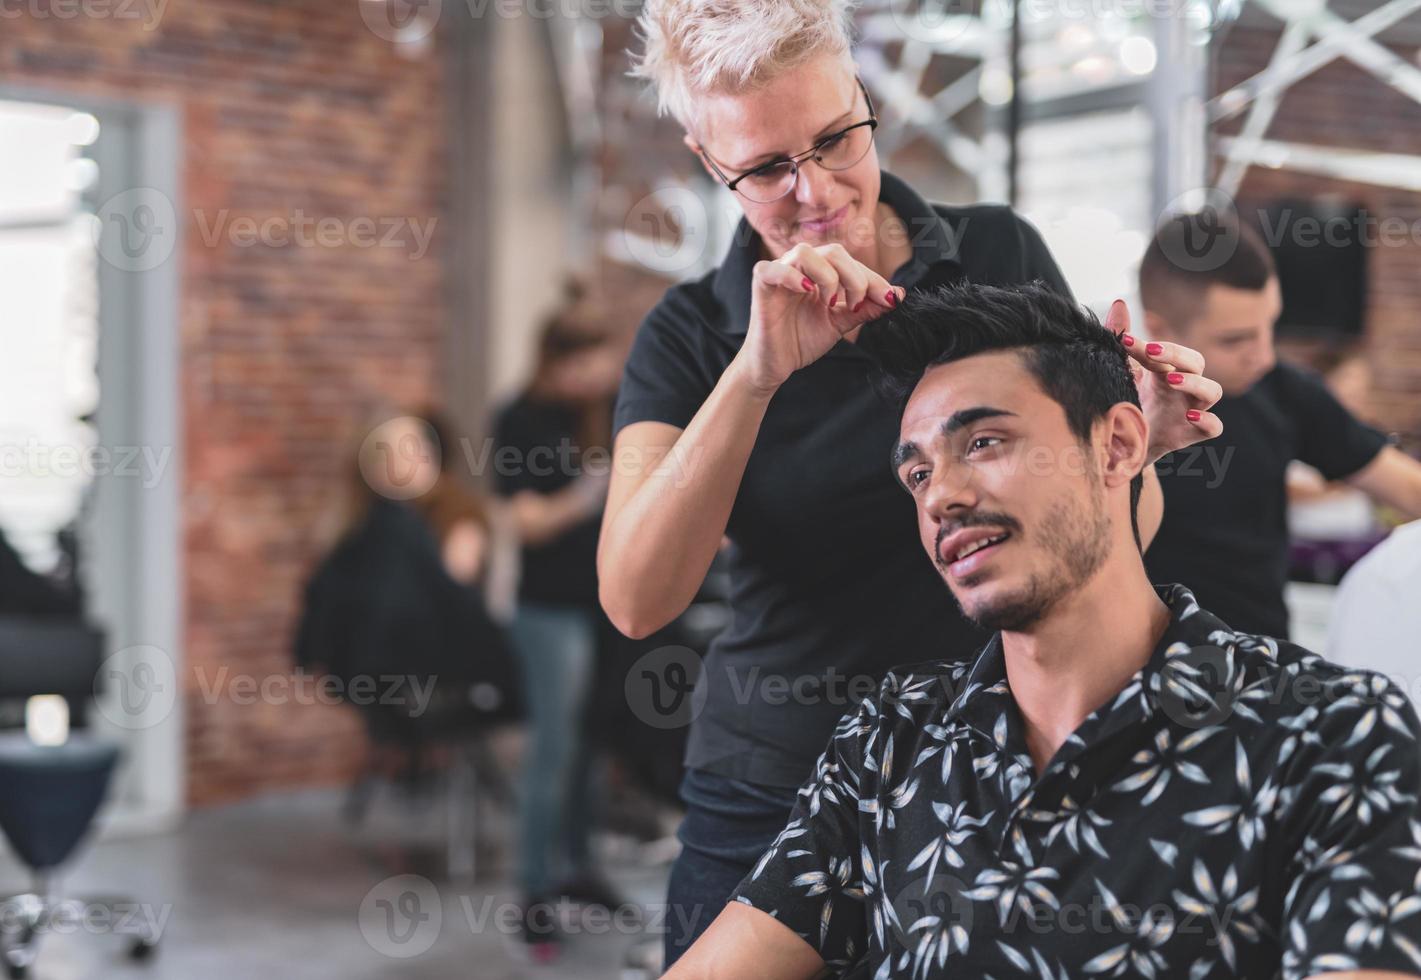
750 388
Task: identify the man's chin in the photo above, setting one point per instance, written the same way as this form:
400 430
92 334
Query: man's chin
999 607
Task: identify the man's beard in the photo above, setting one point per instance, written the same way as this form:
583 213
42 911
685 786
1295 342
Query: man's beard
1078 538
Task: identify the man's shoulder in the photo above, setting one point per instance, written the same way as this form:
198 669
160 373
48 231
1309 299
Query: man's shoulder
1290 685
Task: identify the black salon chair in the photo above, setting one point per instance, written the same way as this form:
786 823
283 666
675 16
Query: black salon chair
52 792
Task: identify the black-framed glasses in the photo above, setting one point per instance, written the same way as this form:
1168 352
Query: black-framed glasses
838 151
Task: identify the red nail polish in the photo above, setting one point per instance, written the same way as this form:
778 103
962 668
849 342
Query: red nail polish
1174 378
832 300
859 305
1193 415
891 298
808 284
1154 350
1127 340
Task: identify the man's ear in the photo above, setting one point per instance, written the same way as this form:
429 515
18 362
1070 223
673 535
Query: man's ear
1126 446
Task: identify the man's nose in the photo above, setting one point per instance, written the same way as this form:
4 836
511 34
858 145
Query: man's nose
950 491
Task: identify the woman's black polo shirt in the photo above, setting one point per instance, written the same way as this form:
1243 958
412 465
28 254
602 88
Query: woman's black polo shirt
829 585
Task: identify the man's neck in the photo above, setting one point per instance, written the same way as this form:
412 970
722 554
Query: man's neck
1082 654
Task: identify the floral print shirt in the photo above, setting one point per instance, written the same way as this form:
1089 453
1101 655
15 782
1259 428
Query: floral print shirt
1243 808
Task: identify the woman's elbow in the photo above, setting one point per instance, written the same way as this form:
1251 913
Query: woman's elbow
632 618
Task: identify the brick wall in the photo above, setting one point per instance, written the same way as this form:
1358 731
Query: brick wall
286 106
1343 106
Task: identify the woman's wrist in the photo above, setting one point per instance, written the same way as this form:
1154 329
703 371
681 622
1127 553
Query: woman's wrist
741 377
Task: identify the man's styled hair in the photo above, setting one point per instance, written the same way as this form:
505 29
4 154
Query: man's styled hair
1190 253
690 47
1077 362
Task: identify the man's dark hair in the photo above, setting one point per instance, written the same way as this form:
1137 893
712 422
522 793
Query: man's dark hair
1077 362
1190 253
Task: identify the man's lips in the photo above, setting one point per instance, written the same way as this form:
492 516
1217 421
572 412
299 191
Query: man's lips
974 545
824 222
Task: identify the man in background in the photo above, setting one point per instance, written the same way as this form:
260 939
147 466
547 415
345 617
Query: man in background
1225 532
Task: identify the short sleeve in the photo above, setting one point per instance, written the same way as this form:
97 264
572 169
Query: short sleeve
1333 440
667 377
812 876
1353 838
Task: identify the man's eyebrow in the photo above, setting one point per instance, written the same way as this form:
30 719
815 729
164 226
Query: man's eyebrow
959 420
907 450
777 155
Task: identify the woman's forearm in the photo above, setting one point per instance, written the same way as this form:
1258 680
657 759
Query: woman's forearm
669 506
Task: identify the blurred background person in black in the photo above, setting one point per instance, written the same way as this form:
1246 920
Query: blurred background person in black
1225 528
546 441
400 600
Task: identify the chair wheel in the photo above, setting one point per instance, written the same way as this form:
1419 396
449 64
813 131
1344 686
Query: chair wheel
142 949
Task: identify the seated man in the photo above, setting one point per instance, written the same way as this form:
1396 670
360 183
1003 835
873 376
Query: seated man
1118 784
1225 529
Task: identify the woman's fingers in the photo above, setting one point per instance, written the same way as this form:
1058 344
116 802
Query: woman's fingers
1206 422
1161 357
1205 392
812 265
781 274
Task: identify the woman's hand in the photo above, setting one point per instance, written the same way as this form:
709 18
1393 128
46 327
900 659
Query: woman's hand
802 304
1175 395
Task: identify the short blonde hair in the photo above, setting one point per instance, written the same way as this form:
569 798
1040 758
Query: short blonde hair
699 46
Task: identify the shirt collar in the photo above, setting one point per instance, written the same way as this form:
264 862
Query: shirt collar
1192 676
933 239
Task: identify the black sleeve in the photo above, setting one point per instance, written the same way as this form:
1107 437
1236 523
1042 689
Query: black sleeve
513 438
1333 440
816 876
666 378
1036 259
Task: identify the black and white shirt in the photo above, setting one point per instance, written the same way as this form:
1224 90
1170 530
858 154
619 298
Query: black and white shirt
1243 808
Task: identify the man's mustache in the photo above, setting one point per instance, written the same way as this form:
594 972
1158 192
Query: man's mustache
982 519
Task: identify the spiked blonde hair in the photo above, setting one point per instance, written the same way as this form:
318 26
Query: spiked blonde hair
699 46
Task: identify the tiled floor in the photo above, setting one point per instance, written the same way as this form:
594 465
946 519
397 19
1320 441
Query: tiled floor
280 888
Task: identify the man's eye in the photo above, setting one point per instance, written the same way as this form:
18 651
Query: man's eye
917 478
982 442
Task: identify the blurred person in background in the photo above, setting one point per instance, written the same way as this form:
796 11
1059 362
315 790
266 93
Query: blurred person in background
400 594
1376 617
554 493
748 390
1225 530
